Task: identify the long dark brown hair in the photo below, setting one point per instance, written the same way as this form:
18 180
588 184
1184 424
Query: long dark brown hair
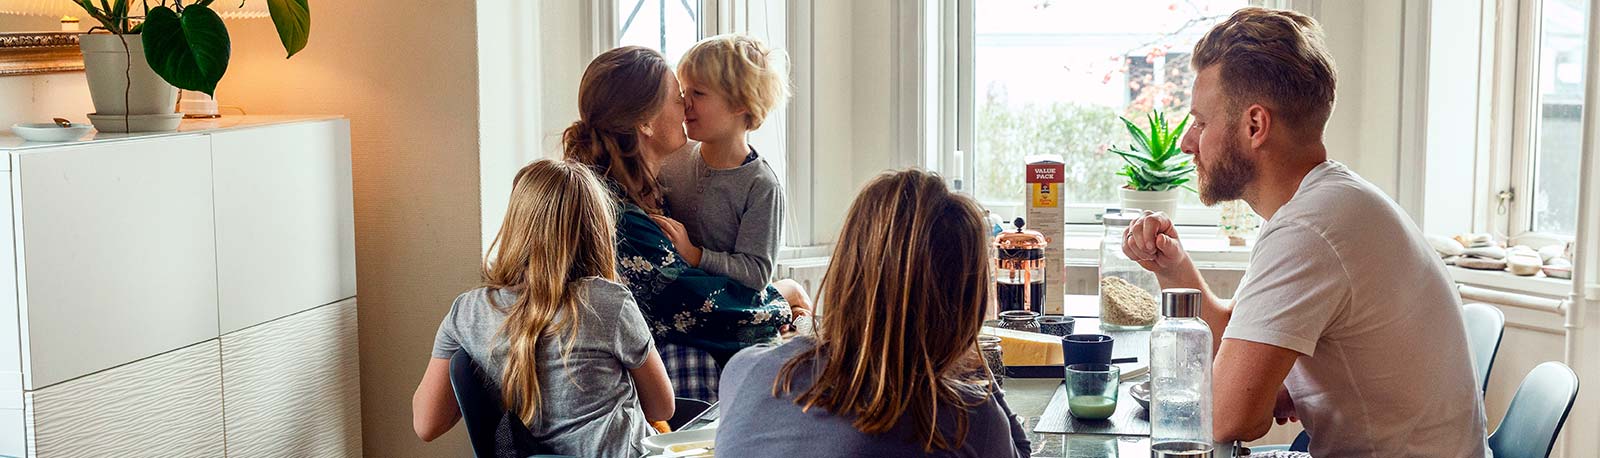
905 292
621 90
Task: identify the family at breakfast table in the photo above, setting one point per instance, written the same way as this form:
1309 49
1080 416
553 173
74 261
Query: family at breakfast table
637 270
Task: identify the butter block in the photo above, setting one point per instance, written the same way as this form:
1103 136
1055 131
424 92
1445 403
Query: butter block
1020 348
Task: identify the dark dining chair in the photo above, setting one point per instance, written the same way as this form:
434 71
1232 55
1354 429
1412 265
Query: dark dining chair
1486 325
493 432
1537 411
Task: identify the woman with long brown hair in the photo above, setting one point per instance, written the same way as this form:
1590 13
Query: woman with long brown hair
568 347
630 119
894 369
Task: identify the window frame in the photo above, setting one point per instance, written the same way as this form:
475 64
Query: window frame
1513 215
794 134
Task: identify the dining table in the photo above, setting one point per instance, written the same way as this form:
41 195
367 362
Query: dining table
1040 402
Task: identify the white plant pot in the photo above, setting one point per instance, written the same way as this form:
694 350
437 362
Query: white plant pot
106 62
1158 201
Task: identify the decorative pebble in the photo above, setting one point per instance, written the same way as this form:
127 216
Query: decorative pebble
1486 252
1522 250
1524 265
1475 240
1444 245
1558 268
1481 264
1551 252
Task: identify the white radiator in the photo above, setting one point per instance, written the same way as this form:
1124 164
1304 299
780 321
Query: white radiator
807 271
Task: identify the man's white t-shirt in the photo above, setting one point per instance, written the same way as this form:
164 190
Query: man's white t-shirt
1342 276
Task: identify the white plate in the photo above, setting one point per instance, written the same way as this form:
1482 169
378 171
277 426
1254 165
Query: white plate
50 132
659 443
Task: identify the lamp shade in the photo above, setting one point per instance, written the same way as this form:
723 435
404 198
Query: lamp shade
231 9
239 9
52 8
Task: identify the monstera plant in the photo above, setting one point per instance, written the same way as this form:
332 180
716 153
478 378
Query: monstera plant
186 43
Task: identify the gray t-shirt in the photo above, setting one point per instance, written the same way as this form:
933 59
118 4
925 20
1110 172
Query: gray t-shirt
735 215
755 423
588 404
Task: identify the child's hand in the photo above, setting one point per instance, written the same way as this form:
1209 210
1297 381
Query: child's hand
680 239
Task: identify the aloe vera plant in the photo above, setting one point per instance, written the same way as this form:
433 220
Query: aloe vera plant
1155 162
187 44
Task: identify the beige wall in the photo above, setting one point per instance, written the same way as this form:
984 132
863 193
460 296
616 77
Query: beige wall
407 79
38 98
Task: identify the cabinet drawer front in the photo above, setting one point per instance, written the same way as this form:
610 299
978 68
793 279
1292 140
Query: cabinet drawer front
166 406
118 254
292 387
285 230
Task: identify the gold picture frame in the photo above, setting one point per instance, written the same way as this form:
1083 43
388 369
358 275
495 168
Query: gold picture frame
32 53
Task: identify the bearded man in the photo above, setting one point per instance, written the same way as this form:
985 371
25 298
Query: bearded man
1345 319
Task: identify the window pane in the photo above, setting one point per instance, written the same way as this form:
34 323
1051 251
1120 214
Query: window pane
1051 77
1556 171
669 26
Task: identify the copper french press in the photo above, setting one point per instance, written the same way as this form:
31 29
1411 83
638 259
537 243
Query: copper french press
1019 269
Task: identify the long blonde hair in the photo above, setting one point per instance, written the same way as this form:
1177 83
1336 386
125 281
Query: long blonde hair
906 291
558 229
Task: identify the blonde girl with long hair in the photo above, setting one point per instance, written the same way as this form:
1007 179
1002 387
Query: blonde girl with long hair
895 369
569 347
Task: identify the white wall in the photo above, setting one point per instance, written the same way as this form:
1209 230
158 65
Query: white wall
1452 128
37 98
1364 38
408 81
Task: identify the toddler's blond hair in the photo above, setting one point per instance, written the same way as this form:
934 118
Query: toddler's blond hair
742 69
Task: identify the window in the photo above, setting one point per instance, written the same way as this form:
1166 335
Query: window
673 26
1546 160
1561 81
1052 77
669 26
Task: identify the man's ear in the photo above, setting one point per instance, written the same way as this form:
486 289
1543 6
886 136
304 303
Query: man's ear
1258 121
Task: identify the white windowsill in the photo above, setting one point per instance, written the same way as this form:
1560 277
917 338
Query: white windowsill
1208 248
1538 285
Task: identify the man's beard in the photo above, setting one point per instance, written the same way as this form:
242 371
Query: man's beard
1225 174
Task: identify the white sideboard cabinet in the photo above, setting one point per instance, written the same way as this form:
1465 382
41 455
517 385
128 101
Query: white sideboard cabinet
180 294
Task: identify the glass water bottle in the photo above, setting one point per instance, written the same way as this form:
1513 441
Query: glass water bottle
1180 374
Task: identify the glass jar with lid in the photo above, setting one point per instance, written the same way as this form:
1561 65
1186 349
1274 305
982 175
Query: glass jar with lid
1019 269
1128 292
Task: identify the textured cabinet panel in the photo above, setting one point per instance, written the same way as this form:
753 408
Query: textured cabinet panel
292 387
285 230
169 405
118 252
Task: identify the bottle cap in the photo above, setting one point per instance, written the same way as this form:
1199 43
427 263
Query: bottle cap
1180 303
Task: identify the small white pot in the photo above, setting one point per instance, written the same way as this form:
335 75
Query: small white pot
1158 201
107 62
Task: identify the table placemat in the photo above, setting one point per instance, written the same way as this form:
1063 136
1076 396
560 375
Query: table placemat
1129 420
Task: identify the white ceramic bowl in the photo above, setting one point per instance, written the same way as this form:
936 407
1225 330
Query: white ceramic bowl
50 132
